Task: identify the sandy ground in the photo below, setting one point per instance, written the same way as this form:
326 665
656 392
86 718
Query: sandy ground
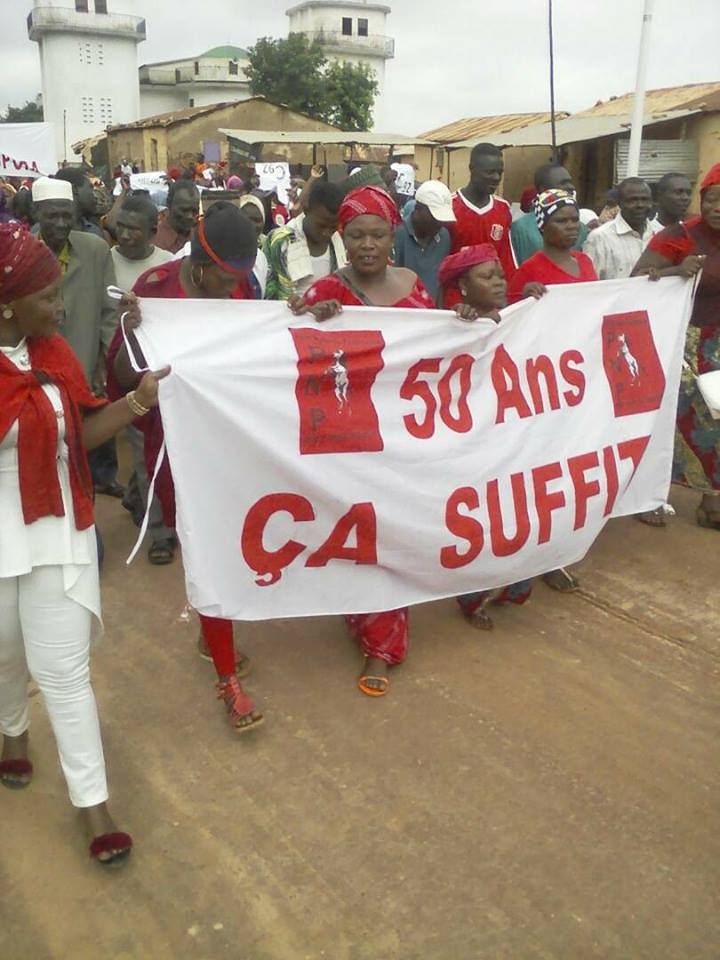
547 791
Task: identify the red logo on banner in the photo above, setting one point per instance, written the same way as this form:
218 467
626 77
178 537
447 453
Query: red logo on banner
336 373
632 364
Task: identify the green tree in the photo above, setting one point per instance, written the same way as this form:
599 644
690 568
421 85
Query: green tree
350 91
295 71
288 71
30 112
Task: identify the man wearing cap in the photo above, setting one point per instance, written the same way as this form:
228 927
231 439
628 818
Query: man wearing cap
422 240
90 317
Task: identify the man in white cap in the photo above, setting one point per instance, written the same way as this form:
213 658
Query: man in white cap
90 316
422 240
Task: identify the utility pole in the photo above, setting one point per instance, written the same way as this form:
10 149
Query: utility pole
638 116
552 81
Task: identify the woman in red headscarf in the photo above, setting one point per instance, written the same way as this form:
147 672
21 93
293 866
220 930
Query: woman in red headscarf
478 275
222 256
49 589
682 250
367 219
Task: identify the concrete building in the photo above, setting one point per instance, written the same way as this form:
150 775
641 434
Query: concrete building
352 31
212 77
86 58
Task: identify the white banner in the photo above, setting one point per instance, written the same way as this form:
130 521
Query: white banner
27 150
389 457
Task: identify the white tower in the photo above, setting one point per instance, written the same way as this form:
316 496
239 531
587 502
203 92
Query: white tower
349 30
88 60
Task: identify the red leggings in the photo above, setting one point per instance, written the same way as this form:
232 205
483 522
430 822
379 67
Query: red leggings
218 635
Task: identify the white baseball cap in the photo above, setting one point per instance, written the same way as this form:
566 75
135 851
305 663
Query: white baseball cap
47 188
437 198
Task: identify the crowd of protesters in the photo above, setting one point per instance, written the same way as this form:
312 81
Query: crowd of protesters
67 385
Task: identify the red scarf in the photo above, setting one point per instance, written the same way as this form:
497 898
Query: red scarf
22 398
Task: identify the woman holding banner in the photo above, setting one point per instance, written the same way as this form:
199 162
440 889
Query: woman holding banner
478 274
558 220
49 589
221 260
682 250
367 219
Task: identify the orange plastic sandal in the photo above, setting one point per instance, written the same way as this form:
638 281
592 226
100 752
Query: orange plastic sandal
373 691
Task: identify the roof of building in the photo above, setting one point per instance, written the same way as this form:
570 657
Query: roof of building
607 118
191 113
324 137
574 129
475 128
696 96
309 4
225 53
218 53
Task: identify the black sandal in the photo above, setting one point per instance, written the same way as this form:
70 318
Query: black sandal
162 552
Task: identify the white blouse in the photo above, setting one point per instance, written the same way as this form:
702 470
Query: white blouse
49 540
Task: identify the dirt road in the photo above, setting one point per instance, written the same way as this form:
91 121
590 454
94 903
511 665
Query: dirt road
547 791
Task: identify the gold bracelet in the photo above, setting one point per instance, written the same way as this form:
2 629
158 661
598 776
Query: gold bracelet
137 408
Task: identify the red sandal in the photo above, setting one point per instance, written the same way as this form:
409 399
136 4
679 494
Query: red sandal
239 705
107 842
19 767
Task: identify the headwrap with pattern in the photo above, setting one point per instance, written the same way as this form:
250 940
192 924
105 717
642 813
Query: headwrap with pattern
368 200
549 202
27 265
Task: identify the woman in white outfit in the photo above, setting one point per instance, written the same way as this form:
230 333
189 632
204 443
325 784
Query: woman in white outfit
49 590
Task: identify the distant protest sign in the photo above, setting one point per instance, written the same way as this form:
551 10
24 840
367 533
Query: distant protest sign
274 176
404 179
27 150
151 180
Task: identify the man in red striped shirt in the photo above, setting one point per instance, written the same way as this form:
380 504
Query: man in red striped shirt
480 216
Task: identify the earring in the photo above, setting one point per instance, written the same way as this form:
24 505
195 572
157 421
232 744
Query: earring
463 293
197 283
7 314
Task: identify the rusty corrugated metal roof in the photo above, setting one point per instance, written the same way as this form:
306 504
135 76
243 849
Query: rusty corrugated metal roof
175 116
475 128
696 96
190 113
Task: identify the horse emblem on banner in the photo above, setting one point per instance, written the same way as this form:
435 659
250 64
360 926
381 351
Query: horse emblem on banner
336 373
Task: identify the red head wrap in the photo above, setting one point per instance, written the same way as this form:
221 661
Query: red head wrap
368 200
27 265
712 179
458 264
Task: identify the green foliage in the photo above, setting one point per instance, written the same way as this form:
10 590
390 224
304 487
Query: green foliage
30 112
350 90
295 72
288 71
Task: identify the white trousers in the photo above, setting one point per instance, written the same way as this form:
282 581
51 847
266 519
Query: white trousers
46 634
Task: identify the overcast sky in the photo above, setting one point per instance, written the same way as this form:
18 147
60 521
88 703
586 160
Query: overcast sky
458 58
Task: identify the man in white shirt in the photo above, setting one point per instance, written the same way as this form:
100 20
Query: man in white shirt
135 253
615 247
